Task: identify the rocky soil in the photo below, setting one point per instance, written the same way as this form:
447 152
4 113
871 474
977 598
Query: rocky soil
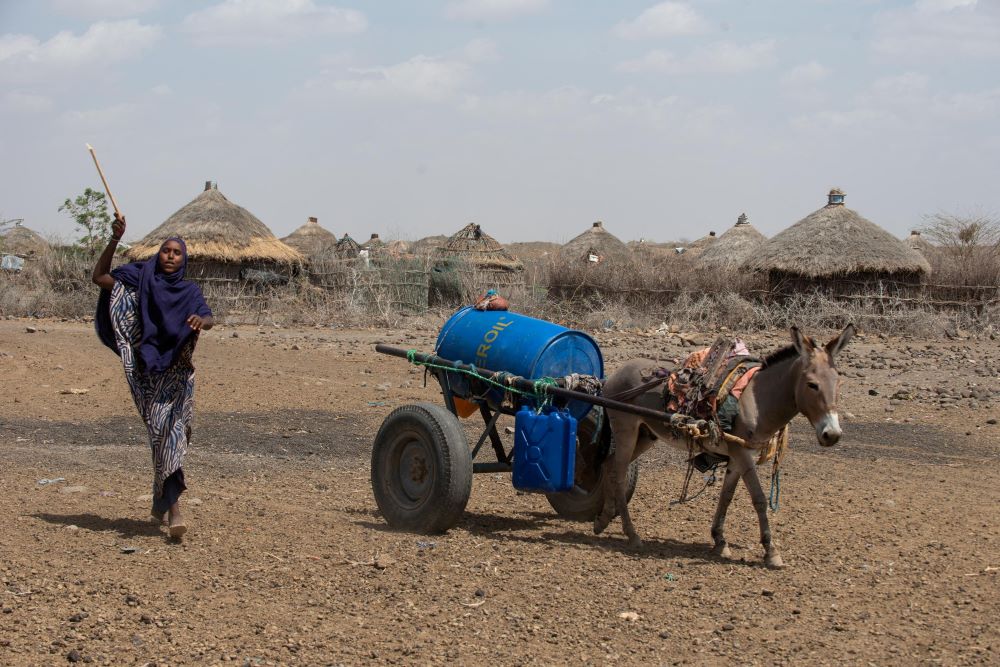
891 538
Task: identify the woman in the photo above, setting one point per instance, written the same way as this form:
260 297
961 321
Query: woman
150 316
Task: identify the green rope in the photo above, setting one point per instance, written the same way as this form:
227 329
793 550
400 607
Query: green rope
775 497
411 356
542 387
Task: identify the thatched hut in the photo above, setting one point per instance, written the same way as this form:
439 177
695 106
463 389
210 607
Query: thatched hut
428 245
23 242
311 239
374 245
398 248
225 242
596 245
837 251
917 242
471 262
737 244
656 253
695 248
475 246
347 247
533 251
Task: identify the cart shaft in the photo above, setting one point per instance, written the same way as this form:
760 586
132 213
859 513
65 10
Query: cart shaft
524 384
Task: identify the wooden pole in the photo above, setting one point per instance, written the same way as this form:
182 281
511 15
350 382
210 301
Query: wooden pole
529 386
104 180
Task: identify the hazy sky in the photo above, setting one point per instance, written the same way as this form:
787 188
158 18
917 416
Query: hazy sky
531 117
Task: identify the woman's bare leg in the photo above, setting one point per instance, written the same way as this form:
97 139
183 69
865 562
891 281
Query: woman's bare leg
177 527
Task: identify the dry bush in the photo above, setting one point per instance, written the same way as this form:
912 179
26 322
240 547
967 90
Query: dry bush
237 302
647 280
675 291
816 311
380 292
454 282
639 280
980 321
657 288
387 281
967 249
648 291
56 284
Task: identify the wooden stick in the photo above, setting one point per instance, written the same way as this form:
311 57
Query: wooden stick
529 386
104 180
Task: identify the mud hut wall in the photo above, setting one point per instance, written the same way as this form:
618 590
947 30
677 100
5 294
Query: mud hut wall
212 270
869 284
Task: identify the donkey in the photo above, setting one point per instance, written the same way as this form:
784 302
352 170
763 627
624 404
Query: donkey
799 378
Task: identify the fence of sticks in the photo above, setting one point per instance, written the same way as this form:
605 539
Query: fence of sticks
395 283
385 288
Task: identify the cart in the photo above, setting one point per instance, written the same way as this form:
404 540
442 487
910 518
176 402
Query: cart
422 463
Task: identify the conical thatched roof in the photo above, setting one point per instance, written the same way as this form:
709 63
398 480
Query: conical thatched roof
653 251
24 242
917 242
736 245
428 245
531 251
373 244
696 247
214 228
398 248
596 240
311 239
347 247
836 241
475 246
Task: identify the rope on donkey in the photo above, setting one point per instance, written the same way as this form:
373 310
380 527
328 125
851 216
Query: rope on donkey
774 498
709 478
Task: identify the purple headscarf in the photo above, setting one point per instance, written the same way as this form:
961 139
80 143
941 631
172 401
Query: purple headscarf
166 301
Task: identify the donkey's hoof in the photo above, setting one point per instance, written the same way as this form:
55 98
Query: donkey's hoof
600 524
774 561
722 551
635 543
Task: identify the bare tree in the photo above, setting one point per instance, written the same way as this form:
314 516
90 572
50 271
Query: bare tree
967 248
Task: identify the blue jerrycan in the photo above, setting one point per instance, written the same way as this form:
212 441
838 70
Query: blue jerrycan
544 450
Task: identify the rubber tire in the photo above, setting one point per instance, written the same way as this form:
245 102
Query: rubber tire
428 434
585 507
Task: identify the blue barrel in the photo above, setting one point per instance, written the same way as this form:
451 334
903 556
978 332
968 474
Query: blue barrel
520 345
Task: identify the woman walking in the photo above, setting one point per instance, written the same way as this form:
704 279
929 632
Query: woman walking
150 316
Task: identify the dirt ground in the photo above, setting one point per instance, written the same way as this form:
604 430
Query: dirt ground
892 538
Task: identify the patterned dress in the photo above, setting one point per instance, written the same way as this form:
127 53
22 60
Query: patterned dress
165 400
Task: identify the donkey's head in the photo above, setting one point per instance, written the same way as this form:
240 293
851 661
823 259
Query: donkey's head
818 383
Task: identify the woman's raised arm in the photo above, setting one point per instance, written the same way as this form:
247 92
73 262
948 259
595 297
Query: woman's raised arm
102 272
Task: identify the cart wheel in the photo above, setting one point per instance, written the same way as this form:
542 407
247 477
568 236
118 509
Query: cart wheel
586 500
585 503
421 468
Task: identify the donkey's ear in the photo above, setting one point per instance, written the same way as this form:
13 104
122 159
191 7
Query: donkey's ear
838 343
803 344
